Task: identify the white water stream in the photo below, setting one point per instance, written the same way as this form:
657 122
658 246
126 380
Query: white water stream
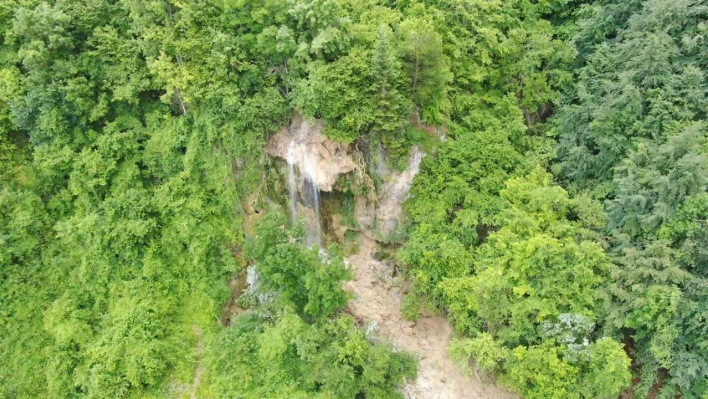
308 183
292 182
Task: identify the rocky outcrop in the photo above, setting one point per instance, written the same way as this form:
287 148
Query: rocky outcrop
365 214
380 218
322 162
394 193
316 156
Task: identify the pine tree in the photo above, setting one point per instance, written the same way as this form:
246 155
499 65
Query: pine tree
390 114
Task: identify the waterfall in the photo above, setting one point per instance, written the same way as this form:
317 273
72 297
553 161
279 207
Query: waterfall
298 154
292 182
311 200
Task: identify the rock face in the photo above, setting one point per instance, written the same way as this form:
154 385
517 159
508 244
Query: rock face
379 219
322 161
315 156
365 214
394 192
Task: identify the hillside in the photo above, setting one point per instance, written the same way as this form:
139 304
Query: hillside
420 199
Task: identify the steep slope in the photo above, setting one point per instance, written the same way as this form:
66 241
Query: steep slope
377 300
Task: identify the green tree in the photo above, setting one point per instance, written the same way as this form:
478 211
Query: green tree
341 93
636 87
487 353
312 284
545 371
540 372
633 131
520 274
287 357
391 109
421 48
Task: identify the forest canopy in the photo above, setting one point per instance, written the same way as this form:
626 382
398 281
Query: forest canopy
559 219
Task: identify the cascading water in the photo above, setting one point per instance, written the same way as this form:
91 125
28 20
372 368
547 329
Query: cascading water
311 193
312 200
292 182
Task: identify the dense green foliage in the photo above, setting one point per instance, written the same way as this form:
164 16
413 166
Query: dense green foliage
560 222
272 352
635 133
504 253
291 359
311 285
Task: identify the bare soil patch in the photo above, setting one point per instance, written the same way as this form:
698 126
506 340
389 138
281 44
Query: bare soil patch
377 300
